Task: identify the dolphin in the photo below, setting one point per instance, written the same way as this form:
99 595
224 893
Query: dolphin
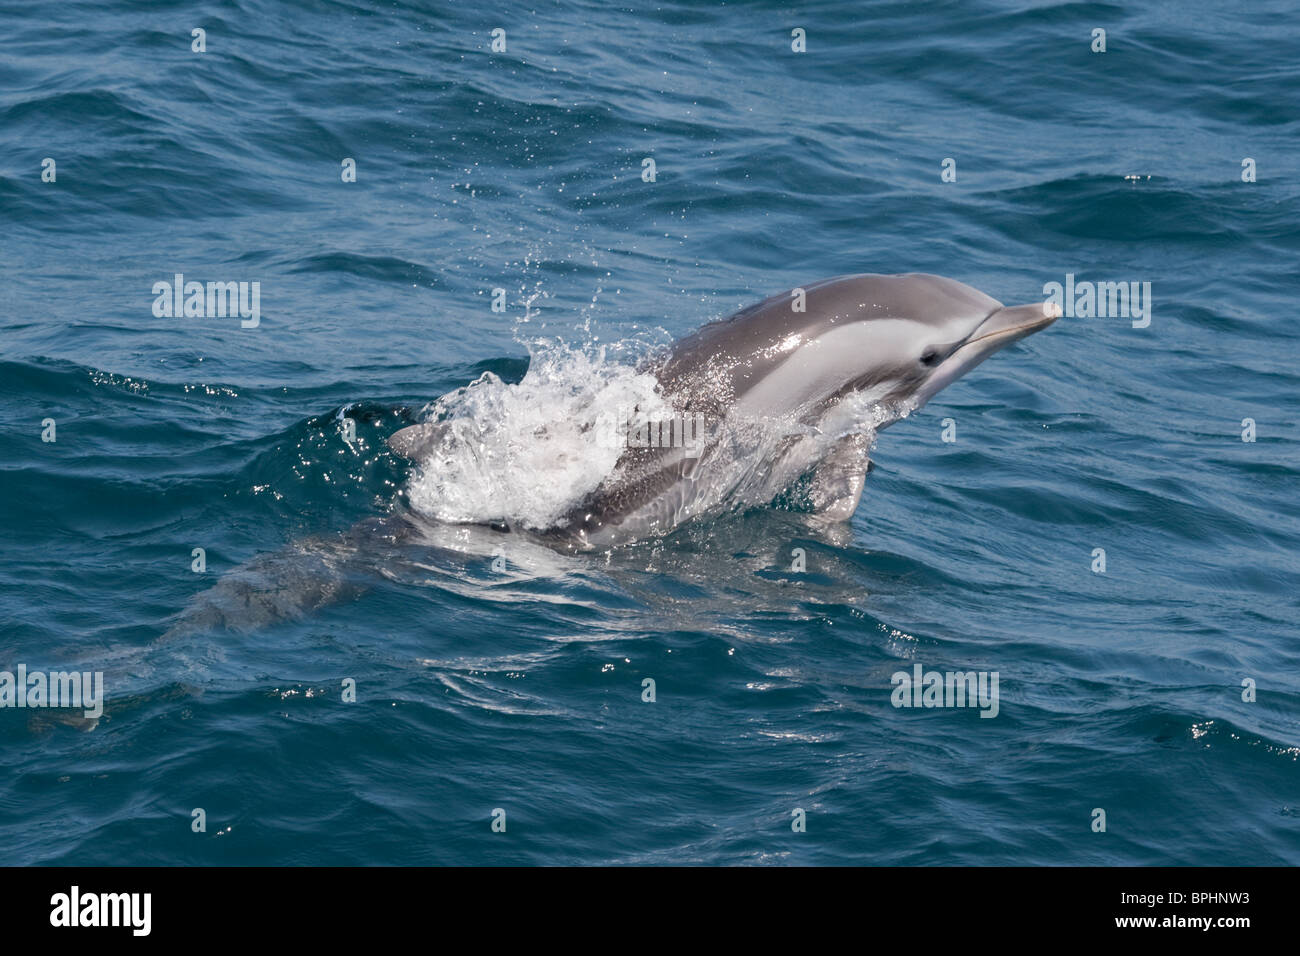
790 392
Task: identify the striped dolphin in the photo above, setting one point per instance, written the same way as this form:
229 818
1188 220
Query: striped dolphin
790 391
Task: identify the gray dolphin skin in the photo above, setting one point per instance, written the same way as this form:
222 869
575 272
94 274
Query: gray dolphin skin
791 392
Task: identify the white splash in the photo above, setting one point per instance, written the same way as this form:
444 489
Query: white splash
529 452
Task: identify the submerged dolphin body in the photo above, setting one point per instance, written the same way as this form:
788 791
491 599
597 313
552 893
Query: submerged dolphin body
791 392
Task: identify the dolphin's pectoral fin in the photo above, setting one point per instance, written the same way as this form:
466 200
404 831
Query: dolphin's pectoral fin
837 481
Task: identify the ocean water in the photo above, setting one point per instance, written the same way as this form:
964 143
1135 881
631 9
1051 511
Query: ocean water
515 692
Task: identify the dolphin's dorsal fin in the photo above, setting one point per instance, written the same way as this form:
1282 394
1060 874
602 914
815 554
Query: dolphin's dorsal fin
417 441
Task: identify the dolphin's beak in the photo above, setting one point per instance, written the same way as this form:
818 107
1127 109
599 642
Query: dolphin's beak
1006 325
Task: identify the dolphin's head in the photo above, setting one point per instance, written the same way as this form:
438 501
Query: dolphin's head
896 340
916 334
951 352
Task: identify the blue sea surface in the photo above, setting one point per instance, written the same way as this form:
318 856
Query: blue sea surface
1164 690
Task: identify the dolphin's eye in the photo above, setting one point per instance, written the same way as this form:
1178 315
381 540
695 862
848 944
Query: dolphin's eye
930 356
